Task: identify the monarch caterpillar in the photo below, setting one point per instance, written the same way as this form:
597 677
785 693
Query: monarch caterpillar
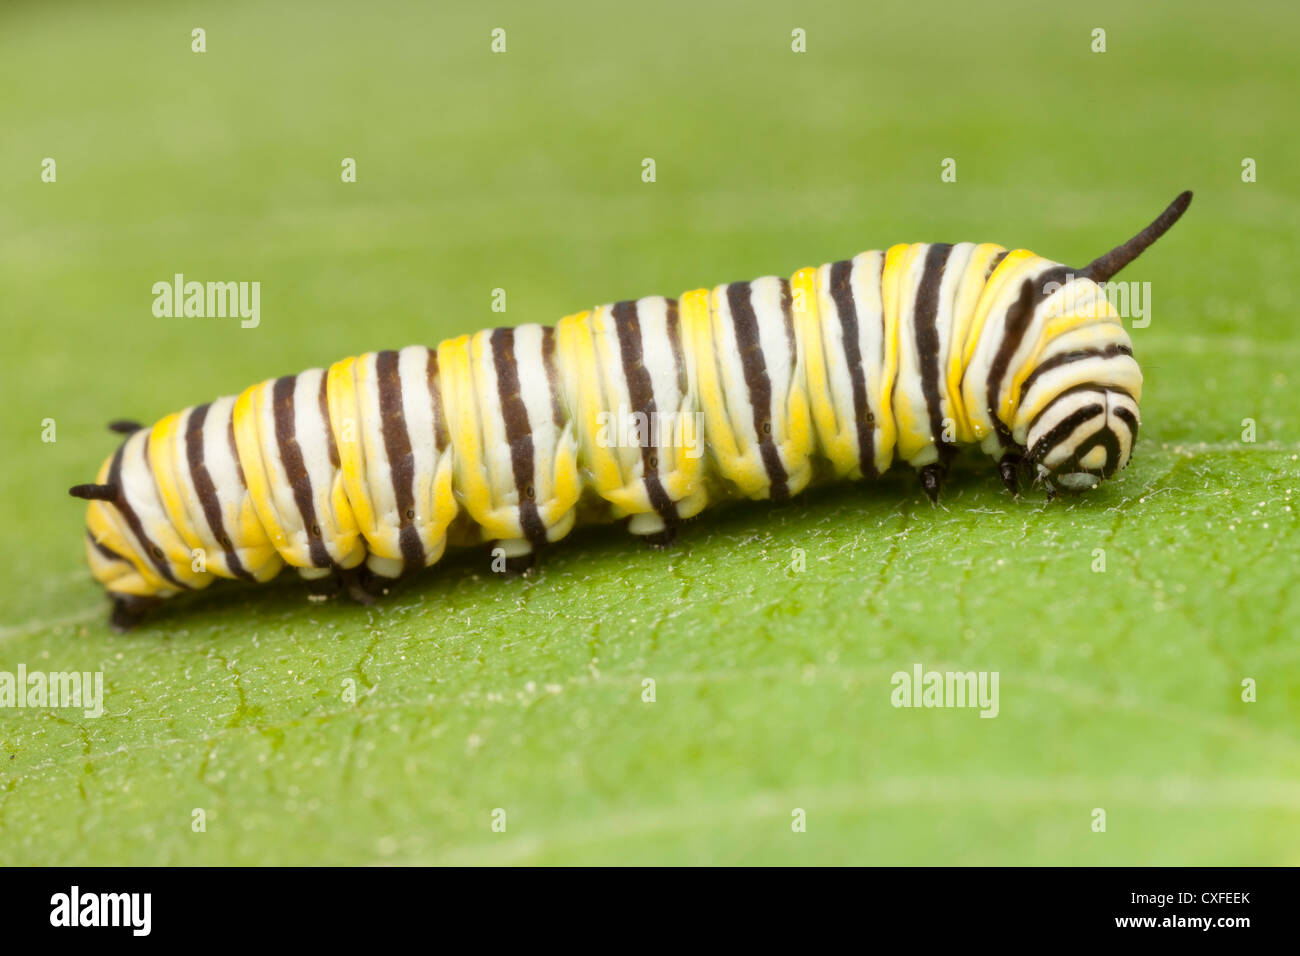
368 469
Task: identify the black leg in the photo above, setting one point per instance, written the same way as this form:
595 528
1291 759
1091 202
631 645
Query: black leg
363 585
932 480
129 610
1009 466
328 586
521 564
661 540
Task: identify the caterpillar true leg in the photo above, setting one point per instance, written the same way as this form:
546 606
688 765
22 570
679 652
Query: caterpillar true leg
1010 467
521 564
644 411
932 476
363 585
358 583
129 610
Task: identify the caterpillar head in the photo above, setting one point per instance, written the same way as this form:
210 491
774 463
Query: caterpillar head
1085 435
1086 431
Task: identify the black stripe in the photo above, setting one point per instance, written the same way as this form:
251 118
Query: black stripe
1108 440
282 408
401 461
151 550
234 448
1067 358
1062 430
675 337
787 314
325 417
1084 387
518 434
925 315
1128 418
1018 317
104 549
847 310
435 398
207 491
752 363
640 390
552 376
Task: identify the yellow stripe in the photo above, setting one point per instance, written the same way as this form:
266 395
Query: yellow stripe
135 577
158 527
799 425
102 521
896 259
601 460
445 507
345 422
571 454
347 533
969 290
251 456
568 482
680 470
972 407
165 453
697 333
339 527
456 359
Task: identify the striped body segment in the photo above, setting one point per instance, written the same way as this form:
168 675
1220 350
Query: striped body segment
644 410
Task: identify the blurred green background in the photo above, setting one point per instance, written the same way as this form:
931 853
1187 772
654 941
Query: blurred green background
1119 690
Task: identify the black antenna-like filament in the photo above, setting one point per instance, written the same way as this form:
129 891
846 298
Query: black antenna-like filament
1103 267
